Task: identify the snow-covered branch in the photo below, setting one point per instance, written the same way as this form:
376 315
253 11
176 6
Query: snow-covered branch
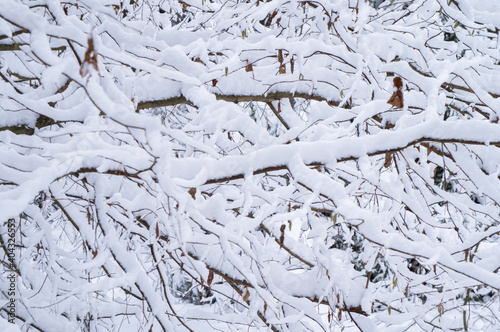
260 165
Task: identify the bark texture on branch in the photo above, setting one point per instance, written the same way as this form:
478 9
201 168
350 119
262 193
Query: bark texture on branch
235 99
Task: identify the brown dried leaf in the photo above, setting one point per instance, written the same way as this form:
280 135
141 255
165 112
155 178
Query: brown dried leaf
214 82
388 160
282 236
271 16
210 277
282 69
246 296
248 67
398 82
90 59
292 64
396 99
192 192
280 56
157 231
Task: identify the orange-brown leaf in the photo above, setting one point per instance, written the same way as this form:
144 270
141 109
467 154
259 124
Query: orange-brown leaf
398 82
246 296
282 69
396 99
249 67
210 277
282 236
90 58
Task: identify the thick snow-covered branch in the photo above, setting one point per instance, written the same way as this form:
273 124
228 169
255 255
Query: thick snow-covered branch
283 165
